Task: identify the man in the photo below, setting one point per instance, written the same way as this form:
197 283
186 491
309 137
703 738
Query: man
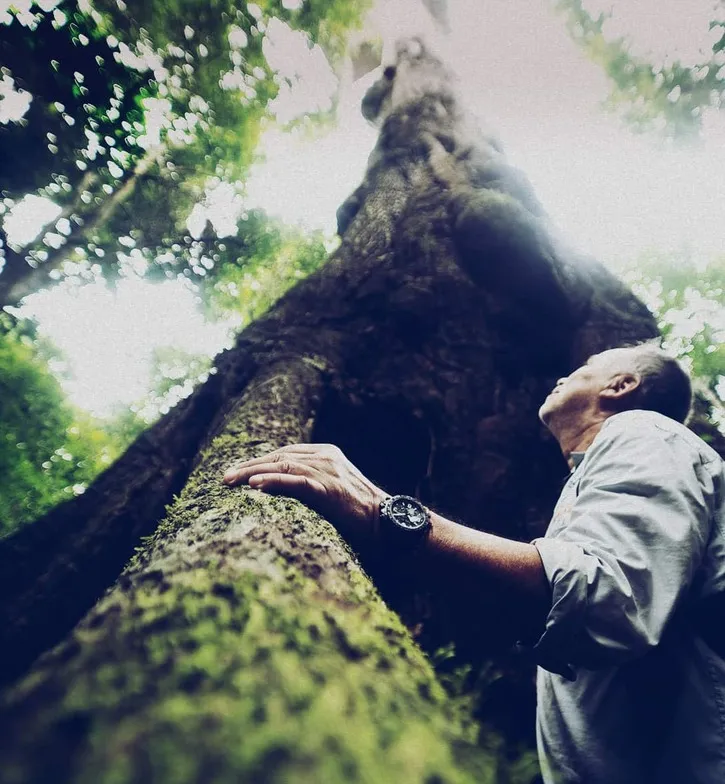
618 595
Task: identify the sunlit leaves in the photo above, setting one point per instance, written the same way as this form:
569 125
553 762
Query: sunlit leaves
175 374
74 83
654 90
48 451
688 297
134 106
259 265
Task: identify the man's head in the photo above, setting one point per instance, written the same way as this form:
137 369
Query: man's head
618 380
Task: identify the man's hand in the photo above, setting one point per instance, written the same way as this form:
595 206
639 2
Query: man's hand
320 476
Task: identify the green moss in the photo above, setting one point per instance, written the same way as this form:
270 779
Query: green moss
242 644
252 674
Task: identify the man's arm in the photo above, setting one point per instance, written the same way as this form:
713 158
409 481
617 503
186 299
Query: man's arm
490 566
454 556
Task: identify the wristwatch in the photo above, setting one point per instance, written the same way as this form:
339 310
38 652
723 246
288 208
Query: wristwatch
404 522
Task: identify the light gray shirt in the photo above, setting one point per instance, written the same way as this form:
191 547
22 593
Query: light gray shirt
628 691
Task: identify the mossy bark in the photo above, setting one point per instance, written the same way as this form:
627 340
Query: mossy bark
243 643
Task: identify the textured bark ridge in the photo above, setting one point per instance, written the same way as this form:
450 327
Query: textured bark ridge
243 642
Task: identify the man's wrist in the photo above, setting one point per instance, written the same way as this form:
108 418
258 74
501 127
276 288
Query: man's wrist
378 499
403 524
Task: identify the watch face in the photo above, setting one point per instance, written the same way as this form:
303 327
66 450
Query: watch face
408 513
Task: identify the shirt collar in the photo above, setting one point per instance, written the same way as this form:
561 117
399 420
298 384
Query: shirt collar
576 458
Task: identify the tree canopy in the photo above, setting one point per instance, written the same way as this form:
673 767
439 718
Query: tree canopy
134 113
653 93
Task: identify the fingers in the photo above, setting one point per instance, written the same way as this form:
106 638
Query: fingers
277 455
281 478
319 475
304 488
240 472
291 455
243 473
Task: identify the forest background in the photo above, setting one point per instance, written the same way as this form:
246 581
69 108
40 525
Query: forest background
168 171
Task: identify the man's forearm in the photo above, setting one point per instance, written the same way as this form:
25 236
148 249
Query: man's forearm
482 569
495 570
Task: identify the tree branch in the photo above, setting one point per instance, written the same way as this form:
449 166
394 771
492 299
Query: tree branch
19 278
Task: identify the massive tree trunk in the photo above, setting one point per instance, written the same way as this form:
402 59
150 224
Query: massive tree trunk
243 641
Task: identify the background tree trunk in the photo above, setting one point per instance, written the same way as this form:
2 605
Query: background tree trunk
243 642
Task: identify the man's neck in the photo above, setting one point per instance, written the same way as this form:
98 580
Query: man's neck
578 437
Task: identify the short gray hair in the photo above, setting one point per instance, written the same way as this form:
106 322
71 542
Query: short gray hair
665 386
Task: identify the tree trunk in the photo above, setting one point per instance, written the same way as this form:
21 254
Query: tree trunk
243 642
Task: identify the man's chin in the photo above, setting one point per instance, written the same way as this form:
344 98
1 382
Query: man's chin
545 412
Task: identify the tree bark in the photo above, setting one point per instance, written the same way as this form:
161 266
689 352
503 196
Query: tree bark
243 641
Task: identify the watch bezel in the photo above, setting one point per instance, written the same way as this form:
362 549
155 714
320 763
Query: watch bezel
411 533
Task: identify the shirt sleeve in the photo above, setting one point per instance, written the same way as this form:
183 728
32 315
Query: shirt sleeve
620 566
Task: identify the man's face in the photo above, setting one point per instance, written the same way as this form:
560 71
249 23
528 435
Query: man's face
578 394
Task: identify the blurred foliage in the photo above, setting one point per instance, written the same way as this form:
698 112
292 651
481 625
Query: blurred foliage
239 278
499 697
666 96
49 451
174 374
688 297
137 110
257 270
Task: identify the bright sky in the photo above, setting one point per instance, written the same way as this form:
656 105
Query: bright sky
105 335
612 193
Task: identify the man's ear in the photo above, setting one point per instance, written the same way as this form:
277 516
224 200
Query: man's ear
621 387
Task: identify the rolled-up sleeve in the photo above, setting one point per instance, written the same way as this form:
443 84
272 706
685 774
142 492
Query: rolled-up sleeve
620 565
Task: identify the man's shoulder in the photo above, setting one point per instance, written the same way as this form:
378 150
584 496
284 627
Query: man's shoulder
639 424
641 421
